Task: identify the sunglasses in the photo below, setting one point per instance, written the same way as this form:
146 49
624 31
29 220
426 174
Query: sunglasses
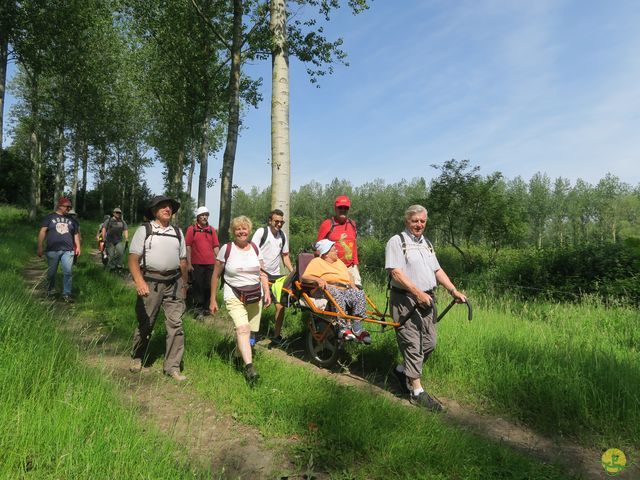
67 206
279 222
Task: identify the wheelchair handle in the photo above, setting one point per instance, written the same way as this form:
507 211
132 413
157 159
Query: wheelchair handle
453 302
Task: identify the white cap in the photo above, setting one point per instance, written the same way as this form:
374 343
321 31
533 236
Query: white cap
323 246
202 210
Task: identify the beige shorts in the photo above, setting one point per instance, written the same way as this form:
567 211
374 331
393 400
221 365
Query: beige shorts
242 314
355 273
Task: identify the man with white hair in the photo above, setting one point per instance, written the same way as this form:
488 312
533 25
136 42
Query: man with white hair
202 249
415 273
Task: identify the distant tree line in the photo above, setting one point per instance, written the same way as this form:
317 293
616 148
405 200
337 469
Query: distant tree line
539 236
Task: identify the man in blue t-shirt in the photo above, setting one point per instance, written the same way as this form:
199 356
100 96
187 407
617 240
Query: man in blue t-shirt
62 235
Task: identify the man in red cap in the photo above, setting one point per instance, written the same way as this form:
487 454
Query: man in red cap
62 236
342 230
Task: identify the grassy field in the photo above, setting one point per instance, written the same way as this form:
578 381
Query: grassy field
58 418
565 370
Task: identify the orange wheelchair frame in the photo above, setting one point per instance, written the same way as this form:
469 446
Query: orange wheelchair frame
322 343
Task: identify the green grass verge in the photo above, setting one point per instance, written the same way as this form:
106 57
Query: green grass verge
58 418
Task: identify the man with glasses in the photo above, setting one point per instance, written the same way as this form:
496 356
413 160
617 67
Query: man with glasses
62 235
114 231
274 246
342 230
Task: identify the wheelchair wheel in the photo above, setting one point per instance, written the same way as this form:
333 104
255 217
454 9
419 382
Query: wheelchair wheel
322 342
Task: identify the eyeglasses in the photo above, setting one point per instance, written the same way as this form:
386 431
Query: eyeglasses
279 222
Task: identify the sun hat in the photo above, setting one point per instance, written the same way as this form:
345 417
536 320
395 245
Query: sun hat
201 211
343 201
155 201
323 246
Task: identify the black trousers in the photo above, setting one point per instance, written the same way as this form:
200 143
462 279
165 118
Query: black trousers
201 286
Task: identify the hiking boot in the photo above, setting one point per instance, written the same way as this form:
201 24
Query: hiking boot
68 299
423 399
177 375
251 375
51 294
136 365
346 334
402 380
364 337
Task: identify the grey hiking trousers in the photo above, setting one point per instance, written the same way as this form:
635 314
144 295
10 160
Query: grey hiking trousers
416 336
171 298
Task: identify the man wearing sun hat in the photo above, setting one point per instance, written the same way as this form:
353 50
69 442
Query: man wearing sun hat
342 230
62 235
202 248
158 265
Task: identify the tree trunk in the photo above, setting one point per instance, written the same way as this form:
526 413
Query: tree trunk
132 204
4 58
177 179
226 186
280 147
102 173
74 180
204 164
59 177
34 195
35 173
84 147
192 167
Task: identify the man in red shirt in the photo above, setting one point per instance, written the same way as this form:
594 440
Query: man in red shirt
202 249
342 230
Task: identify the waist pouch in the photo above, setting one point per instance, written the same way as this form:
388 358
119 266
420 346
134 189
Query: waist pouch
248 294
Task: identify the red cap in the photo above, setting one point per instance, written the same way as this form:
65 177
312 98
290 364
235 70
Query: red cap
343 201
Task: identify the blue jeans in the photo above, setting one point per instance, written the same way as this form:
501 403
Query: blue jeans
54 258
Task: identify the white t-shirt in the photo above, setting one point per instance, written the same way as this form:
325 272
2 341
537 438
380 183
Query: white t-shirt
242 268
271 249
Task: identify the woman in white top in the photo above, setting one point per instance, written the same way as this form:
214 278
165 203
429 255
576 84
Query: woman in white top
246 287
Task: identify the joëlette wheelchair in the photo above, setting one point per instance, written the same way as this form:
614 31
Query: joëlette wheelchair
322 343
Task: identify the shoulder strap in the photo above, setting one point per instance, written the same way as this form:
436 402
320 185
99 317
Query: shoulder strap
265 234
353 225
178 233
333 225
148 232
284 240
403 242
255 249
227 252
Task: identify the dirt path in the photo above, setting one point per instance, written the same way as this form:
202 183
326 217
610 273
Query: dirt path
214 439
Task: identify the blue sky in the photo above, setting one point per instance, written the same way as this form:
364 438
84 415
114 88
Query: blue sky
513 86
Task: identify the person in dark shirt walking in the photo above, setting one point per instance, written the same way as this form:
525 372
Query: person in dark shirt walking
62 236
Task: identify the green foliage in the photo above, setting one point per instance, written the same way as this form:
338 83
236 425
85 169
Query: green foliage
14 187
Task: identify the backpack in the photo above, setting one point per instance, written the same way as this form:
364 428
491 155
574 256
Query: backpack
208 229
149 231
403 242
265 235
333 225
